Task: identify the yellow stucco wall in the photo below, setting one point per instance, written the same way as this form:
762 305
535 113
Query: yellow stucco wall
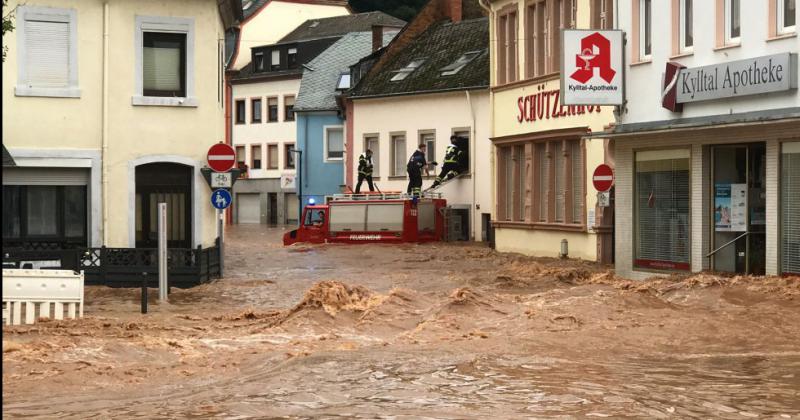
545 243
275 21
163 133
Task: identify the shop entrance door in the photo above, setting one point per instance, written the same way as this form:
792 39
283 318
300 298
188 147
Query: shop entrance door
738 214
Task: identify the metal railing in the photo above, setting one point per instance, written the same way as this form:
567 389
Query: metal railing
393 195
727 244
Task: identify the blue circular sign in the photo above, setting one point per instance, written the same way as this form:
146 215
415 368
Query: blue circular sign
220 199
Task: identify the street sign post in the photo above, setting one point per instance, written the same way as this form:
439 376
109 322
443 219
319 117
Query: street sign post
221 199
603 178
221 157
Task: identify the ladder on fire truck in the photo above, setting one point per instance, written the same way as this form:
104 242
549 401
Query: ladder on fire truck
430 189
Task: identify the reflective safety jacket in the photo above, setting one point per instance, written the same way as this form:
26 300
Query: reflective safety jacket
452 154
365 164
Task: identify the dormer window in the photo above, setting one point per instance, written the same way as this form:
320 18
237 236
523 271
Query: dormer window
344 82
459 64
408 69
292 57
276 60
259 59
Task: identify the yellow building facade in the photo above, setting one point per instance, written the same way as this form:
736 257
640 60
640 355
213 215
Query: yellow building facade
543 158
110 107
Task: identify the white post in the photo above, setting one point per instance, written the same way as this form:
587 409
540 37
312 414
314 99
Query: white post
162 252
221 235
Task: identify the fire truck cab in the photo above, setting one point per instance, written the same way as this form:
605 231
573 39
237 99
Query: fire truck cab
370 218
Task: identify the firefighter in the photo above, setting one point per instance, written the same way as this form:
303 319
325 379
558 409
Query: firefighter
365 170
414 168
452 163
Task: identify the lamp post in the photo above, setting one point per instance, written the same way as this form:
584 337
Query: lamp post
299 178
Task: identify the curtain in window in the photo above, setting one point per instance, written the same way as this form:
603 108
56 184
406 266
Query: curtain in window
161 57
47 53
662 209
790 207
399 145
272 152
335 143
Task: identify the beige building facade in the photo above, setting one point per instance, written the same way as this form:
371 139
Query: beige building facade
110 108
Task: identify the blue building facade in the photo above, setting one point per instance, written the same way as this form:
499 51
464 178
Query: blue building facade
321 173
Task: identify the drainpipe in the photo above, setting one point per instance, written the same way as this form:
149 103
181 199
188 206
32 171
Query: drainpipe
104 151
472 163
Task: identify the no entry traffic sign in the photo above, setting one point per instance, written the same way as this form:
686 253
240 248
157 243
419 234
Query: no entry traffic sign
221 157
603 178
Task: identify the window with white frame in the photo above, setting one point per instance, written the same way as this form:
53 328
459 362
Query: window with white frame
645 29
686 34
428 138
373 143
48 52
164 61
786 16
398 155
732 22
334 143
275 60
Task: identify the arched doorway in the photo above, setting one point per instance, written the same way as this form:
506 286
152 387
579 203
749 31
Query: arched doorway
170 183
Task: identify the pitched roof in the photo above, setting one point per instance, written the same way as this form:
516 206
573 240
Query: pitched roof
440 46
256 5
318 87
8 161
340 25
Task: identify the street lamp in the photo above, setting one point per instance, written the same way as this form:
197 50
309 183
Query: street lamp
299 183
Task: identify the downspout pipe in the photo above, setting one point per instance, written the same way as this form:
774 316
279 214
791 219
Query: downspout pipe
104 123
472 141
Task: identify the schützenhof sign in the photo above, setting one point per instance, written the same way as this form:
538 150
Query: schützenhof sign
771 73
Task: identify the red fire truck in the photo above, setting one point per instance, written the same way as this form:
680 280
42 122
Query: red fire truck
369 218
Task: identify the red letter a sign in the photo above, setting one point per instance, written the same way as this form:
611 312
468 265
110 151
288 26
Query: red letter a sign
588 60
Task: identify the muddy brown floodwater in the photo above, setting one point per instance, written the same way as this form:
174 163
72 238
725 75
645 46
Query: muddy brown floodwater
415 331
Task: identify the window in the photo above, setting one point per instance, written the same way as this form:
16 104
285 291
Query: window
661 209
399 158
373 143
344 82
34 213
240 111
459 64
407 70
334 143
255 157
275 62
48 52
255 110
288 108
288 156
428 138
535 33
645 29
259 61
165 61
507 46
786 16
240 157
550 190
463 145
292 57
732 22
790 208
685 34
602 14
272 156
272 109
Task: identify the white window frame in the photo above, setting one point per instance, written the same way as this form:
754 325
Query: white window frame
163 24
682 27
430 152
729 40
393 137
780 12
325 130
376 152
69 16
643 29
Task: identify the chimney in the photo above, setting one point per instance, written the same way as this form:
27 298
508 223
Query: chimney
377 37
454 10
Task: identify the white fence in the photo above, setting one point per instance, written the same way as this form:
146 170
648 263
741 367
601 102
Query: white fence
39 291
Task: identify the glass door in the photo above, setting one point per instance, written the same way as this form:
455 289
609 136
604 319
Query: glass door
739 208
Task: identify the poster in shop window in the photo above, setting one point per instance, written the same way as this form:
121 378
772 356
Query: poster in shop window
730 207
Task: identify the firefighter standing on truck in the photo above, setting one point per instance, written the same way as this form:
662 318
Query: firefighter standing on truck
452 162
365 170
414 169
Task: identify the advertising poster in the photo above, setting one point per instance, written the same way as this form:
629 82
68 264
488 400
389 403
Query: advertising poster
730 207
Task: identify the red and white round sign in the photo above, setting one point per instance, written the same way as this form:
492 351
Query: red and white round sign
603 178
221 157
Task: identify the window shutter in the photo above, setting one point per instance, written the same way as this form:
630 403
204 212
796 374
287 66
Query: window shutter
544 179
559 175
47 53
162 68
790 207
576 153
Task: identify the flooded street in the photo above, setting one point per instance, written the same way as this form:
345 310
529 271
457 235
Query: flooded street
415 331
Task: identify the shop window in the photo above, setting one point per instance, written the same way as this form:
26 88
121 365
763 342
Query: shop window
288 155
40 213
288 108
255 110
255 157
240 111
790 208
272 109
661 209
399 155
272 156
373 143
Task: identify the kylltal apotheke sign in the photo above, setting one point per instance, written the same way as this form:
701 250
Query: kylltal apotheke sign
771 73
592 67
